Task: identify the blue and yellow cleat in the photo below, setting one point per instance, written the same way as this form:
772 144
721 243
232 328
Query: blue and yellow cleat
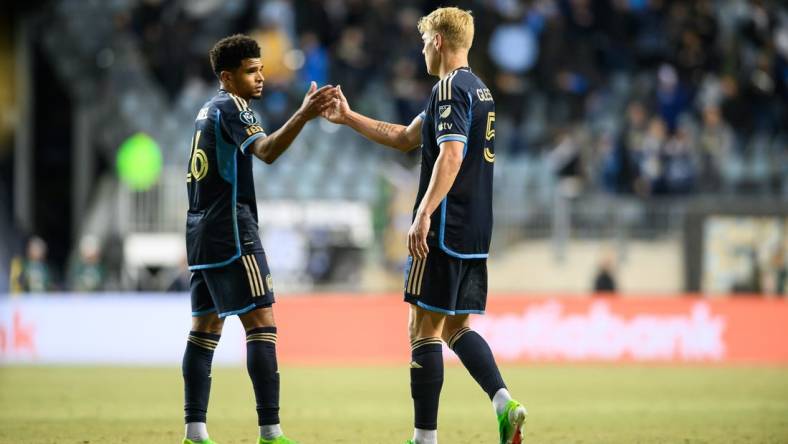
278 440
205 441
511 423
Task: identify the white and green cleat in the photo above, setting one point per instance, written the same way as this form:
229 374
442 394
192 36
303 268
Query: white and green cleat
511 423
205 441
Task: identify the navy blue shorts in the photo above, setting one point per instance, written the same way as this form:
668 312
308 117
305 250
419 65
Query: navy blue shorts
234 289
446 284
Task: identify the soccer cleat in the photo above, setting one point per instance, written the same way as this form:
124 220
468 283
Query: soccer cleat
278 440
510 423
205 441
410 441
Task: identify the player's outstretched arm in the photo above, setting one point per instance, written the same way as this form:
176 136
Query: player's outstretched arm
399 137
316 101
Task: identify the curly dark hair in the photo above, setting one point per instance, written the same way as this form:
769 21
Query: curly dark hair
228 52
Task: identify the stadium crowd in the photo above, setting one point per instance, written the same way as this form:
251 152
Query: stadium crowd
653 97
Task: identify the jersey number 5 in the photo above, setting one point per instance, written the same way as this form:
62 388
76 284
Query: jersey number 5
198 164
490 134
489 156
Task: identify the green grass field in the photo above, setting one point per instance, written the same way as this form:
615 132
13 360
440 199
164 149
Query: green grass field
580 404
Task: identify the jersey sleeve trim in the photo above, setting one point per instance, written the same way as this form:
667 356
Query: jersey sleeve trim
249 141
452 137
423 115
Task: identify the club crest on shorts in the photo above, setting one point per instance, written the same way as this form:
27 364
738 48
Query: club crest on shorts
248 117
444 111
269 282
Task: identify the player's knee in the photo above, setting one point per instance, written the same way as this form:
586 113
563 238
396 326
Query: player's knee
425 324
453 325
210 323
446 334
261 317
449 331
413 331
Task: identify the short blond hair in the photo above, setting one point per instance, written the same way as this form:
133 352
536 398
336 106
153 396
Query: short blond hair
453 24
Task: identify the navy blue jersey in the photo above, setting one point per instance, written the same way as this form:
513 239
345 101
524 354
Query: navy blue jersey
222 216
461 109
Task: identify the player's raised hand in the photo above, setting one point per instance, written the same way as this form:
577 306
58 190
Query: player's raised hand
417 236
339 109
317 100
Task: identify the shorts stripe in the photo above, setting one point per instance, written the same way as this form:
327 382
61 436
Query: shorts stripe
256 272
409 285
420 277
249 273
256 275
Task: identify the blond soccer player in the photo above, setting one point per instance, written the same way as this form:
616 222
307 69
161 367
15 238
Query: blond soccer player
446 273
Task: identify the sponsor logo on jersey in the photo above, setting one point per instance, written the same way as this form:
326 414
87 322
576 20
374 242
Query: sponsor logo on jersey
444 126
203 114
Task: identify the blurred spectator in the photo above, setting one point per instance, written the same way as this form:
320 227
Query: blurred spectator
680 163
316 61
87 272
648 157
275 45
715 146
565 159
672 96
780 271
406 89
618 165
750 283
605 279
35 275
736 108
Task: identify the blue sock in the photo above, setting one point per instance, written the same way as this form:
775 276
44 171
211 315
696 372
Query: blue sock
196 369
477 357
426 381
264 372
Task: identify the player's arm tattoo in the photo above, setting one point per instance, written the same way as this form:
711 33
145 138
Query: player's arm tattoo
384 128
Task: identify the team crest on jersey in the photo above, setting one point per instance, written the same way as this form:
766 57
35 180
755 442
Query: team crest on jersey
248 117
444 111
